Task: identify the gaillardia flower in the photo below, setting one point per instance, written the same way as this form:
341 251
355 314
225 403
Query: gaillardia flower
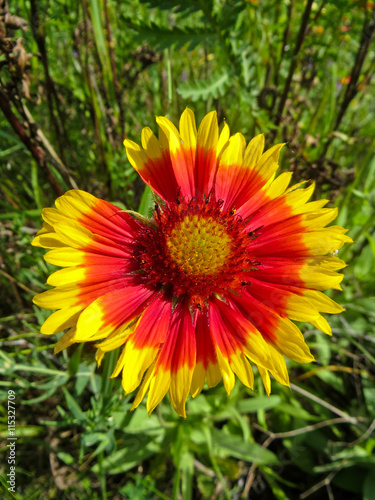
207 285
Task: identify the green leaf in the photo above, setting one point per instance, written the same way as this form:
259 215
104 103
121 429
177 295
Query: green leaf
203 89
297 412
100 42
147 202
351 479
369 486
91 438
73 406
163 38
65 457
332 379
255 403
141 422
11 150
47 394
7 364
169 5
125 459
84 373
234 446
276 488
187 474
346 462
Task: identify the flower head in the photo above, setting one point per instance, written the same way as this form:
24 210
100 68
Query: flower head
207 285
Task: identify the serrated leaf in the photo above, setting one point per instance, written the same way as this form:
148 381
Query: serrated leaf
163 38
203 89
187 6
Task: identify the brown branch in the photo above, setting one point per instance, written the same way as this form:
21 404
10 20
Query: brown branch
333 409
18 283
251 475
50 87
293 63
320 10
37 154
325 482
282 435
352 88
65 172
285 40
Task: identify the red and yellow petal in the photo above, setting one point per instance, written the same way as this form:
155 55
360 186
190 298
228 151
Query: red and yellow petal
261 170
98 216
180 156
153 165
143 346
206 156
233 334
111 310
277 331
206 367
176 362
232 173
188 133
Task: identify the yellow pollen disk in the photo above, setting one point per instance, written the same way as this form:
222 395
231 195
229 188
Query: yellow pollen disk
199 245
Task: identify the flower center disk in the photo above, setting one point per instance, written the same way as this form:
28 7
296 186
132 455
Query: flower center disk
199 245
195 249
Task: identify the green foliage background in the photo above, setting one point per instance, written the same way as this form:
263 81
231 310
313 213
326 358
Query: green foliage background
85 75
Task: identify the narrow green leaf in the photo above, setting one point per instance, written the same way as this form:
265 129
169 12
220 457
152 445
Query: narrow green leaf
73 406
369 485
234 446
254 404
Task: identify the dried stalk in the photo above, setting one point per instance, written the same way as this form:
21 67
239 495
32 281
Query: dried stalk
36 152
293 62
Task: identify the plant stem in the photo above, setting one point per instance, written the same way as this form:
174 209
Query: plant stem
285 40
50 88
102 476
37 154
293 63
352 88
108 366
116 83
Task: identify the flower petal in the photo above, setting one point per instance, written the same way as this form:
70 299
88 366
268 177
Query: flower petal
111 310
143 346
206 158
206 359
176 362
